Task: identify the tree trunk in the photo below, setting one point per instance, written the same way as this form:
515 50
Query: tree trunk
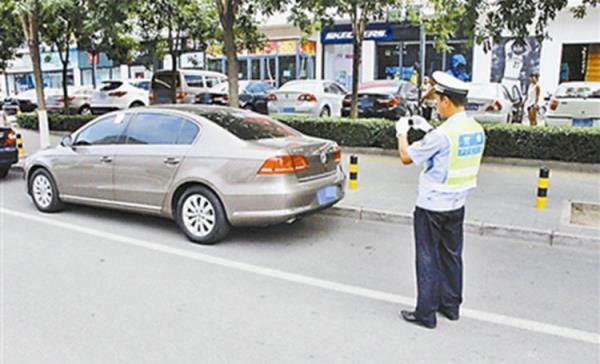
174 78
227 17
30 28
94 53
358 30
65 63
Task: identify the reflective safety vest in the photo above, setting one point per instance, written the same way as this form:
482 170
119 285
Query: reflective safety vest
467 141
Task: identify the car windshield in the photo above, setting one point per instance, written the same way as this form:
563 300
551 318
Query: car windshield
483 90
300 86
248 126
578 92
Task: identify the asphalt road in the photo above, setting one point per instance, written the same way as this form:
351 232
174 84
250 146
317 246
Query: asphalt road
98 286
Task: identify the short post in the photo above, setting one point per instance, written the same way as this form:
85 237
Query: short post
542 192
20 146
353 183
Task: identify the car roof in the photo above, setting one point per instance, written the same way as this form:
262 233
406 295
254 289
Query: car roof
193 72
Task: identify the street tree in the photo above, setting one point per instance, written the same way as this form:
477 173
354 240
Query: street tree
239 31
310 14
11 33
165 25
107 27
60 30
30 13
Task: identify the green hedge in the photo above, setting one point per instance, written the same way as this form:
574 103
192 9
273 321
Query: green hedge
503 140
58 122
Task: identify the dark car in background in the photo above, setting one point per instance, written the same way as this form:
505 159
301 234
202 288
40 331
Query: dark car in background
12 105
8 150
253 95
384 99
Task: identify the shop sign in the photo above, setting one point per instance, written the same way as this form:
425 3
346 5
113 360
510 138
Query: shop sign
345 36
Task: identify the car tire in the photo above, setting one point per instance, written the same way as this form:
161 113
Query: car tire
4 171
85 110
325 112
44 192
136 104
201 216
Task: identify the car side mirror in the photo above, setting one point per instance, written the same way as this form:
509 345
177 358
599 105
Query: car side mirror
67 141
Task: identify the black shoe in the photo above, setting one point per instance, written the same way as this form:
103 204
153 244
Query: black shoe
449 315
410 317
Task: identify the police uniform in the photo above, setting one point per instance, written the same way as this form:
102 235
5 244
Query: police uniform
450 156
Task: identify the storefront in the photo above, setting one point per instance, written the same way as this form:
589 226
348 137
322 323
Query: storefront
278 61
390 51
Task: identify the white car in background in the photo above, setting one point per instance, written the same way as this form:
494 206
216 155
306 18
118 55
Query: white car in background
114 95
307 97
492 103
575 104
79 100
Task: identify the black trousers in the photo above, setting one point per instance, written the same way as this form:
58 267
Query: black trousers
439 243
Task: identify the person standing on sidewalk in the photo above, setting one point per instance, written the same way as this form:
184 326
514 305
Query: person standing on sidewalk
532 99
451 155
427 100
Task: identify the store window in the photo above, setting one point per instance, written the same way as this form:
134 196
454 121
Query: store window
243 69
287 69
255 69
580 62
338 64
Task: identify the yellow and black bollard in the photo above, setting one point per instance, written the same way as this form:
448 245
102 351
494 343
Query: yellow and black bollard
353 183
542 193
20 146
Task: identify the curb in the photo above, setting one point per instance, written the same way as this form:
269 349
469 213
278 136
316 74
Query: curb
536 163
530 235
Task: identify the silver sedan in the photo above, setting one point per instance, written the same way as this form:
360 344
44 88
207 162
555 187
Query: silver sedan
206 167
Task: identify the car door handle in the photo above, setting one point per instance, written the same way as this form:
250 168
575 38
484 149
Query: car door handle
171 161
106 159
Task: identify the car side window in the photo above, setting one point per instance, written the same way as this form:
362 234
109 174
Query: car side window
337 89
328 88
188 132
103 132
153 128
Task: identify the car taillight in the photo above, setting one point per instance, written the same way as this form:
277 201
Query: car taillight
394 101
181 95
553 104
495 106
307 98
271 97
62 99
151 96
284 165
117 93
338 155
11 138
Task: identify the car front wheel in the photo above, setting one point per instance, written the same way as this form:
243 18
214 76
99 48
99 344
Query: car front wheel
44 192
201 216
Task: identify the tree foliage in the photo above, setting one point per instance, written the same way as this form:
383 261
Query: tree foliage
11 32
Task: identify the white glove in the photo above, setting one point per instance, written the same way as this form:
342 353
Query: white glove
402 126
419 122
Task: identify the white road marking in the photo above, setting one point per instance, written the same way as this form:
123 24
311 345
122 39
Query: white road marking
503 320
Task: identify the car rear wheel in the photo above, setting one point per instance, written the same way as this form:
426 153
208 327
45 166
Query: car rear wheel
325 112
85 110
201 216
44 192
136 104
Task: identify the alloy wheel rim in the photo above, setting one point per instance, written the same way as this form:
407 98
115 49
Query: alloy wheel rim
198 215
42 191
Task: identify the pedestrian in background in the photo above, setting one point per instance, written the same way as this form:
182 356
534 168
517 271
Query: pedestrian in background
451 155
427 101
532 99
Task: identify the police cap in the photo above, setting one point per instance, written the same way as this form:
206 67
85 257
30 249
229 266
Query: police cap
448 84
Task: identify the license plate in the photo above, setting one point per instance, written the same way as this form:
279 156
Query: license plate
472 107
366 103
327 195
287 109
583 122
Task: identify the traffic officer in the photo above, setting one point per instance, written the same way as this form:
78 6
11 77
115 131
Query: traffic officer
451 155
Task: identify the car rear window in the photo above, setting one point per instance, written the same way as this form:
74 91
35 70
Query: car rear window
299 86
164 80
578 92
111 85
249 126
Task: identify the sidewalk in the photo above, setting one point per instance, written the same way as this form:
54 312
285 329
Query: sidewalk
505 194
